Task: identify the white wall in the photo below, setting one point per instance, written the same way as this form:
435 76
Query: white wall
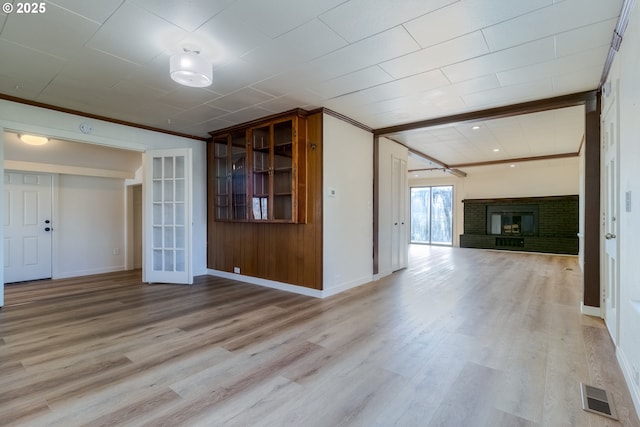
24 118
625 70
387 150
347 215
530 179
89 226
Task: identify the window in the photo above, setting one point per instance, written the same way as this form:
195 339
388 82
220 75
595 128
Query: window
432 215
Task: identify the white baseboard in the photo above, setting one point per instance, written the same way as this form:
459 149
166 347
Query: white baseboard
267 283
590 311
91 272
333 290
634 389
382 274
292 288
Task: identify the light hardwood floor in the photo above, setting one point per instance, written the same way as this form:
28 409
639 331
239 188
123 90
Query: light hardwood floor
463 337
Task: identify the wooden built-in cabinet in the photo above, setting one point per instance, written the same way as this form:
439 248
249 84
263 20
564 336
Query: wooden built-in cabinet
265 199
260 172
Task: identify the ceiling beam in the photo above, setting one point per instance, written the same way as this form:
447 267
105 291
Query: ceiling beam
495 113
516 160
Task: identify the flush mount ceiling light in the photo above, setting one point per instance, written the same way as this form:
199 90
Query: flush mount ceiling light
190 69
33 139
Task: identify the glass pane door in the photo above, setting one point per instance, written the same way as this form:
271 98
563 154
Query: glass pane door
420 214
441 215
168 215
432 215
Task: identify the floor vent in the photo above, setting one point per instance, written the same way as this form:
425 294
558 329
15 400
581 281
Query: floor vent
598 401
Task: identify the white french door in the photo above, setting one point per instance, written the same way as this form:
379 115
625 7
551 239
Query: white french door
167 217
611 268
27 226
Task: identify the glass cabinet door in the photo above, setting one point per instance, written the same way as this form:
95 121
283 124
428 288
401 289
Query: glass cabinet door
221 178
283 170
239 176
230 177
272 148
261 173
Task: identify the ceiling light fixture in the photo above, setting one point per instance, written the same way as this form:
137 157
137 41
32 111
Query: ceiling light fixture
33 139
476 127
190 69
496 150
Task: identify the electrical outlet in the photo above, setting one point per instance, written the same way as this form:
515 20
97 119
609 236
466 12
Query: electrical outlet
236 270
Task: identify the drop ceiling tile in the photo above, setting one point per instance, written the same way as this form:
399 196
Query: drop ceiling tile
279 17
519 56
97 68
57 31
588 37
146 36
578 81
230 35
240 100
465 17
408 86
281 104
318 39
98 11
294 79
199 114
446 53
189 15
189 97
357 19
28 65
549 21
20 87
352 82
246 115
557 67
287 51
365 53
203 129
529 91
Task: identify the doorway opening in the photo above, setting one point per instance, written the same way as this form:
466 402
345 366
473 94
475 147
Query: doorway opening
432 215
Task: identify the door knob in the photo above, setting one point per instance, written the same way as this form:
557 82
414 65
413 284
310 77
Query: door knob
47 229
609 236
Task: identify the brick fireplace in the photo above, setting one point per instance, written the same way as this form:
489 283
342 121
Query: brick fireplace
533 224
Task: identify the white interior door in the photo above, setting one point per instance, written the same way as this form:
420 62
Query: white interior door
611 268
399 239
167 217
27 226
